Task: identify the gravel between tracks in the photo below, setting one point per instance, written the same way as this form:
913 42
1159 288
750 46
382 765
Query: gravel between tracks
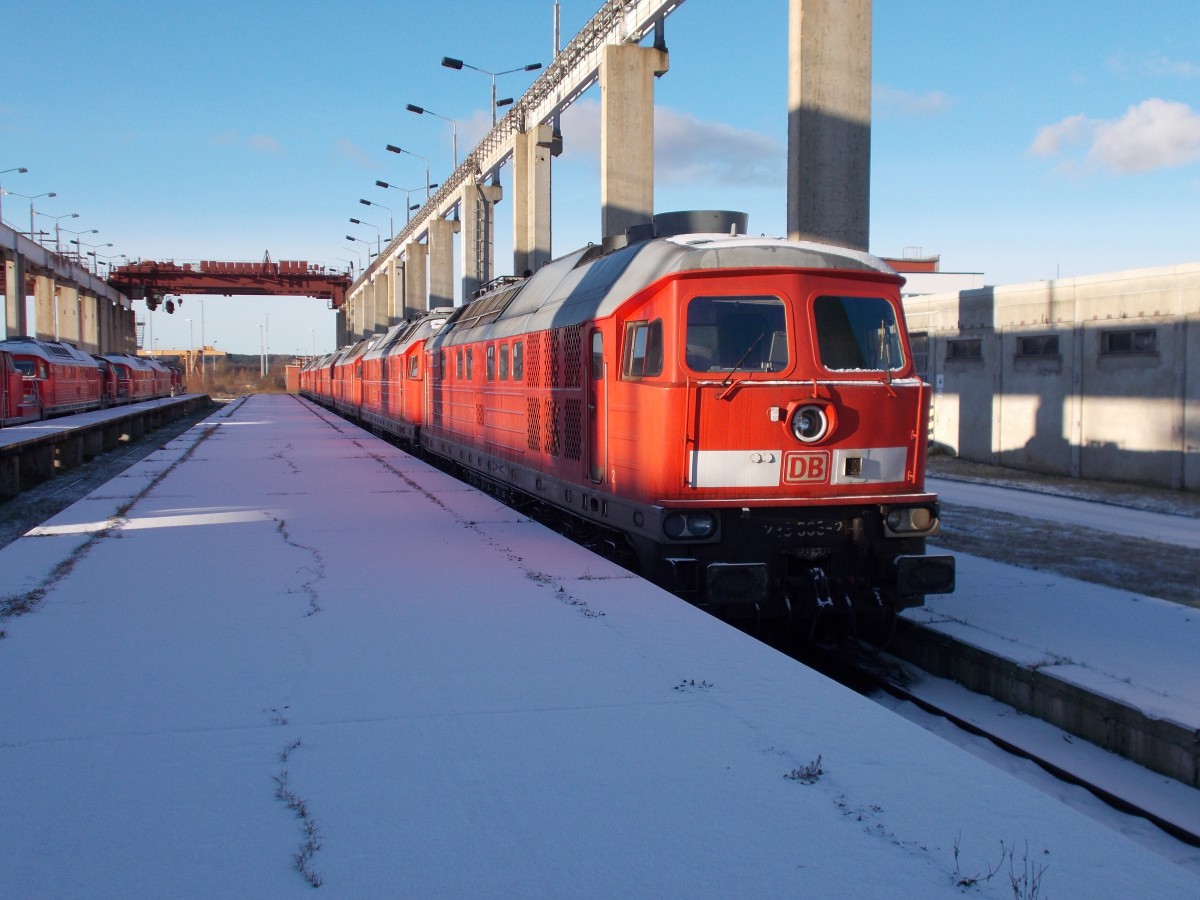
33 507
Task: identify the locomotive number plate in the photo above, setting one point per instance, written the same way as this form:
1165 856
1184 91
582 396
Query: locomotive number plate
806 467
794 530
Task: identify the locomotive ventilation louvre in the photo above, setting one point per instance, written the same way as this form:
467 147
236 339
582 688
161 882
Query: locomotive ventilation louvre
554 425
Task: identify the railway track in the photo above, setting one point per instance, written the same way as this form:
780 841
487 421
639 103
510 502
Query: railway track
868 672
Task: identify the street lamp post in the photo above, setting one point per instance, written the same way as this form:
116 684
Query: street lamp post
92 252
409 206
370 255
378 232
57 231
391 221
421 111
20 170
31 198
191 351
392 148
451 63
78 233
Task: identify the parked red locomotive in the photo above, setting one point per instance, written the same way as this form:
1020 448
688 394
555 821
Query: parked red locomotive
743 412
40 379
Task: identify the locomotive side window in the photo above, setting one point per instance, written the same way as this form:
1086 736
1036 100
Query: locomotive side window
518 362
504 362
491 362
470 363
857 334
458 368
643 349
727 334
414 363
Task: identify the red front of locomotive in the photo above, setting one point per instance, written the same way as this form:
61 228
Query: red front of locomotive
769 430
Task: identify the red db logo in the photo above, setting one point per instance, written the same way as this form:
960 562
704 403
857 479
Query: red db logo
806 467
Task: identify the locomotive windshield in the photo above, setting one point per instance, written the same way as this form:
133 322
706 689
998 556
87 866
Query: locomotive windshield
746 334
857 334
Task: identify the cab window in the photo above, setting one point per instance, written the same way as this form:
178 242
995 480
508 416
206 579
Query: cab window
857 334
643 349
744 334
414 363
518 360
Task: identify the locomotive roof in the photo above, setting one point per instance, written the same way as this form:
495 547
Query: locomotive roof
134 362
590 284
52 351
399 337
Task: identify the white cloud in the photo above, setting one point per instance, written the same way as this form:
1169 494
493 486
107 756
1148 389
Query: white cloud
688 150
1155 134
892 100
264 143
351 151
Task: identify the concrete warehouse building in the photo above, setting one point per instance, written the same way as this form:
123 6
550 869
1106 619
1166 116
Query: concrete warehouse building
1091 377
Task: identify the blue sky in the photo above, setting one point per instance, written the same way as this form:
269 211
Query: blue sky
1019 139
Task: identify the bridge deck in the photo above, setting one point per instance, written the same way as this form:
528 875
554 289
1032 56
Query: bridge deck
282 639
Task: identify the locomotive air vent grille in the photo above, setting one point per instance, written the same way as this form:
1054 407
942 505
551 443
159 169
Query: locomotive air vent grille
574 337
555 357
573 429
553 445
479 414
533 361
533 437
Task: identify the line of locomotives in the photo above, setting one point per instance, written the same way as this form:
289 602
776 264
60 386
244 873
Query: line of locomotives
740 413
40 379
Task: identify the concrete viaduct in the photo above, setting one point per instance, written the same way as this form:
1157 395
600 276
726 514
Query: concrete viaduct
70 303
829 147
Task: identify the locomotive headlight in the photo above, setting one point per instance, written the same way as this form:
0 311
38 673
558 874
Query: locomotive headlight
689 526
810 423
910 520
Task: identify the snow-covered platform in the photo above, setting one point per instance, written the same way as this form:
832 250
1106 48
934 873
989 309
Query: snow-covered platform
282 648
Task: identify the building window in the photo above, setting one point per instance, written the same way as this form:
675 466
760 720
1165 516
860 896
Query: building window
1040 345
1116 343
919 342
964 348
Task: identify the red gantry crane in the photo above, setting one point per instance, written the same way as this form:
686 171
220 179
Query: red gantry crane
152 281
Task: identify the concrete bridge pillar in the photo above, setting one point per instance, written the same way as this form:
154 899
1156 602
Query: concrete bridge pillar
382 289
44 318
68 314
89 323
341 328
128 335
15 323
395 289
354 314
416 292
531 199
441 262
368 310
478 204
829 121
627 135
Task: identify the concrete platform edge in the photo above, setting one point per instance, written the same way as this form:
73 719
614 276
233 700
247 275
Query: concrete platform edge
1160 745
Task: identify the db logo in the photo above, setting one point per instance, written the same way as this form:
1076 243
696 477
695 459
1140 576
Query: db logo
806 467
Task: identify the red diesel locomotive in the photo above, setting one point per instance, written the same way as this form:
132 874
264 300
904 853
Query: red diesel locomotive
40 379
742 412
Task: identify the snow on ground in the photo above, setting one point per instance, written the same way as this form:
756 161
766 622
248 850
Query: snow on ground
1182 530
300 642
